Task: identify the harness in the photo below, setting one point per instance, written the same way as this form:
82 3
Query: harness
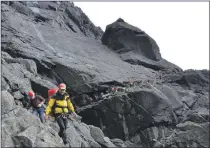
59 97
57 106
63 115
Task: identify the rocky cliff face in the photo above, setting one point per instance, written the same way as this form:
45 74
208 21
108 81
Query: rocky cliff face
45 43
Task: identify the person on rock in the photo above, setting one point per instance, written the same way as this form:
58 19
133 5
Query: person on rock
63 106
37 103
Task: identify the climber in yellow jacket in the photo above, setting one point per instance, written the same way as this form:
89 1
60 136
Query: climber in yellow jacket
62 105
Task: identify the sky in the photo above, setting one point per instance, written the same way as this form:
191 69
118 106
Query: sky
181 29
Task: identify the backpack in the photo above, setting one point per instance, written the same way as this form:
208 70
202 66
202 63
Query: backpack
51 92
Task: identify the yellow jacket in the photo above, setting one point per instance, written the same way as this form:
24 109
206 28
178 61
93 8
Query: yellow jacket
62 104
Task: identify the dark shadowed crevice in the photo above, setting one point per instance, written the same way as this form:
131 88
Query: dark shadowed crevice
39 18
112 83
93 116
71 27
38 88
103 146
147 65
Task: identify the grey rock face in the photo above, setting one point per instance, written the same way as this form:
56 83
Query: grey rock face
76 59
21 129
46 43
113 37
7 102
198 134
192 79
135 46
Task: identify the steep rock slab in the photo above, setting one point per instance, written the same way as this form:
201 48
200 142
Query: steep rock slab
62 15
121 116
158 106
83 22
172 95
135 46
68 57
191 79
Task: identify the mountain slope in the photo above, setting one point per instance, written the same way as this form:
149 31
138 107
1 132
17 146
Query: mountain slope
46 43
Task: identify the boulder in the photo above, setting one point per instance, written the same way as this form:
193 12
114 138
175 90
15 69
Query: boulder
7 102
123 115
135 46
190 135
99 137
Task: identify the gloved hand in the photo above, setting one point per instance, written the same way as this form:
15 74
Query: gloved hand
46 117
70 116
76 116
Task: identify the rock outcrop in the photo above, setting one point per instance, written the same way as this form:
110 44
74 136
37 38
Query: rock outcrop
127 94
135 46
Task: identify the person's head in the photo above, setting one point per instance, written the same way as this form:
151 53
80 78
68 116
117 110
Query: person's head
62 88
31 94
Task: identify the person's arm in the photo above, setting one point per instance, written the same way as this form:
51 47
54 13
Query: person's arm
49 106
70 105
41 99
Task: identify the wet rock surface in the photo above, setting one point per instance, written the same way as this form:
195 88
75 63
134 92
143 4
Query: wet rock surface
126 93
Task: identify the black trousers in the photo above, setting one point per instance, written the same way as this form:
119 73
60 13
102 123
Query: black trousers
62 122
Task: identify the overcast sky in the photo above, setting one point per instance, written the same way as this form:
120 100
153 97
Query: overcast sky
181 29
